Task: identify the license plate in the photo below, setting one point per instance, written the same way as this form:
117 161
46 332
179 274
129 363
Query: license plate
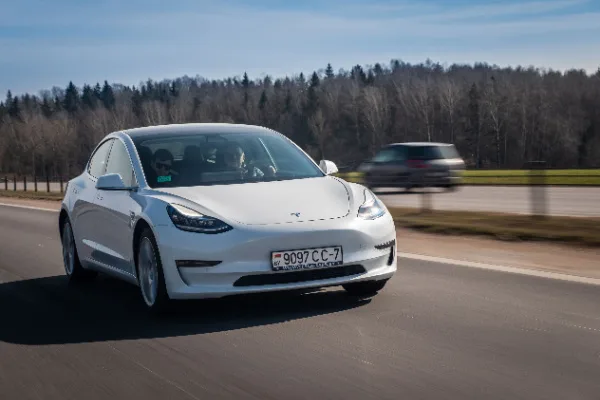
307 259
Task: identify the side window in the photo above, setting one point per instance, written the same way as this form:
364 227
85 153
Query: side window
389 154
98 161
119 163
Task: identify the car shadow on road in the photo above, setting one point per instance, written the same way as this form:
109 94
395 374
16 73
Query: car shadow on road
51 311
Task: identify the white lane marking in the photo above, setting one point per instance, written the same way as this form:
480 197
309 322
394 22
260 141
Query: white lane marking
584 327
502 268
28 207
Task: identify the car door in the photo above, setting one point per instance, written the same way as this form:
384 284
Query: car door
82 215
391 167
116 211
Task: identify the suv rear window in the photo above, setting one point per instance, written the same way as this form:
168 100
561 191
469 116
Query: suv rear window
432 152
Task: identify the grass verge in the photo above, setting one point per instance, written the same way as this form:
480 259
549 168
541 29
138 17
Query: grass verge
570 177
57 196
573 231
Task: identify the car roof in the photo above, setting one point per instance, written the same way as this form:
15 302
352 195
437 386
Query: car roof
194 129
414 144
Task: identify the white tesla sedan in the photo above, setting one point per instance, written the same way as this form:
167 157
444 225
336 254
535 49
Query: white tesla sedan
210 210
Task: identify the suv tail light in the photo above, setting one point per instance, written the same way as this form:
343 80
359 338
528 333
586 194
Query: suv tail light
416 164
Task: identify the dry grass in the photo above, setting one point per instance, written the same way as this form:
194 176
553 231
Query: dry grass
573 177
576 231
29 195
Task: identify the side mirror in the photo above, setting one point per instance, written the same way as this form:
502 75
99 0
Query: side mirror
111 182
328 167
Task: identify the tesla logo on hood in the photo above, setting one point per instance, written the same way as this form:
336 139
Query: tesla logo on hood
296 214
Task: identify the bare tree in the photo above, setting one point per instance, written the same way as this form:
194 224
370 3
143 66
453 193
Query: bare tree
318 125
449 98
154 113
377 114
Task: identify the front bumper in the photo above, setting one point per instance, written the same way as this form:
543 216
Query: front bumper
245 256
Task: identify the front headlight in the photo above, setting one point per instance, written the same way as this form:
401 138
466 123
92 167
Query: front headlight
189 220
371 208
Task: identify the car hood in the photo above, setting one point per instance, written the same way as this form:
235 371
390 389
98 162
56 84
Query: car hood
276 202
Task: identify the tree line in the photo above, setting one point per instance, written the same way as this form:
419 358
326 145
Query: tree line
496 117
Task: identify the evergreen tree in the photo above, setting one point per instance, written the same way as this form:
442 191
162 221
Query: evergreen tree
136 102
370 78
46 107
301 80
173 89
378 69
88 98
98 91
13 105
9 100
108 96
312 101
262 103
267 82
359 74
71 100
288 102
245 81
314 80
329 71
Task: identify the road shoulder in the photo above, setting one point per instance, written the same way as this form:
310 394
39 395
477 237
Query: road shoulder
45 204
550 257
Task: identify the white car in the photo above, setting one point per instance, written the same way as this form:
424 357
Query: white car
209 210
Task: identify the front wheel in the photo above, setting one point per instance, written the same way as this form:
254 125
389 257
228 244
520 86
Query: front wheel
150 274
73 267
369 288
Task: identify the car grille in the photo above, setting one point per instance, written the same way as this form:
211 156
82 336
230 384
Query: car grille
299 276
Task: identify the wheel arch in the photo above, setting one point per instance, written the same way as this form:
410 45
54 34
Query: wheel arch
140 226
63 217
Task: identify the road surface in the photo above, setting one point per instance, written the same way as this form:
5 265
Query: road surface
436 331
567 201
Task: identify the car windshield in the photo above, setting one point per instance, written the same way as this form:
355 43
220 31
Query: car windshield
219 159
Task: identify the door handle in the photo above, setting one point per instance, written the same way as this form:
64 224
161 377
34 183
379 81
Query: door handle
99 197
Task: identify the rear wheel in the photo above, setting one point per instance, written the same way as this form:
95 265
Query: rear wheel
150 274
369 288
73 267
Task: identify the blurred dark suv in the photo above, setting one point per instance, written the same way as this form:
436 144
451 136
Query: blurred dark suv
409 165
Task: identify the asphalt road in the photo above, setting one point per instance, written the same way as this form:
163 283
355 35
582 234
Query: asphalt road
436 331
567 201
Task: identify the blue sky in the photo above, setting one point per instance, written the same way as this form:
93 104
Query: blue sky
48 43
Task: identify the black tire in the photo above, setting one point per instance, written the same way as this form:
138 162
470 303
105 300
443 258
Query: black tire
73 268
369 288
161 302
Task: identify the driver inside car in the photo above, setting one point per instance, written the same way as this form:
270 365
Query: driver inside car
161 167
234 159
